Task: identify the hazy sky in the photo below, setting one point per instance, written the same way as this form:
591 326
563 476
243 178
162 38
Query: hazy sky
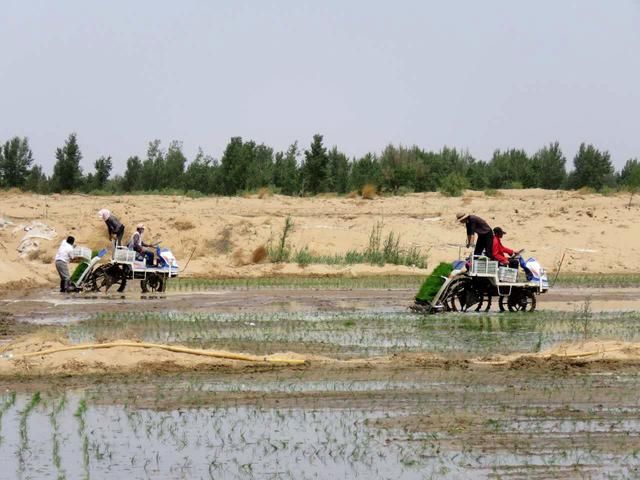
472 74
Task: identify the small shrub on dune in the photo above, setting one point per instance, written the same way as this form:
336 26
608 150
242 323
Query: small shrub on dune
352 194
238 257
369 191
264 192
259 254
491 192
586 191
303 257
183 225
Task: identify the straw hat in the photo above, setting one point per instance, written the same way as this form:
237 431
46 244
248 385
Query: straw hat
461 217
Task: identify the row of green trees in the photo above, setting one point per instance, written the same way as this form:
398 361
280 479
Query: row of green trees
247 166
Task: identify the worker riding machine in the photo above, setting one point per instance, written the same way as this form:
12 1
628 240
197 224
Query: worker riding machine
473 284
125 265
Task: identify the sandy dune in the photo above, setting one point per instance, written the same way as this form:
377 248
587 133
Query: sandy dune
225 231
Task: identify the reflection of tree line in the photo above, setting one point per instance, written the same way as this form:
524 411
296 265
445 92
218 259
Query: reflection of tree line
246 166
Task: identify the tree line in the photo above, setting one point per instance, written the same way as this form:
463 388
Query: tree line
246 166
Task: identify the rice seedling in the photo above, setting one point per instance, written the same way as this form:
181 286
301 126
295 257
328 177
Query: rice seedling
80 414
300 282
23 430
6 405
581 321
357 334
55 437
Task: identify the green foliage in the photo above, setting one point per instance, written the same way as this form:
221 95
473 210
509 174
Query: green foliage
549 167
315 169
36 181
286 176
398 167
380 251
203 175
15 161
234 166
365 170
511 166
454 185
338 178
592 168
630 178
433 282
67 174
281 252
303 257
627 171
103 169
247 166
132 179
171 175
259 161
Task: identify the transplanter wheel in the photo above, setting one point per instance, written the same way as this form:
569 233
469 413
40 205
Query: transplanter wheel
106 276
153 283
502 302
462 297
524 301
484 305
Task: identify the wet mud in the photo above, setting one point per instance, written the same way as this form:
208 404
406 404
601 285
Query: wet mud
46 306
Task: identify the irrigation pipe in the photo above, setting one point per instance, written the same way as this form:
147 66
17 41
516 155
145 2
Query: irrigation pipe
550 355
191 351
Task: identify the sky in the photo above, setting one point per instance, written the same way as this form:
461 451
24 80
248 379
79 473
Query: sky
475 75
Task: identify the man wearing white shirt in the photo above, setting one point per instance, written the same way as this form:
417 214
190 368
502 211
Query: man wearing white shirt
63 257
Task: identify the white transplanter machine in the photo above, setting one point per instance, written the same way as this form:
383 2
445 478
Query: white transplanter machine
474 283
125 265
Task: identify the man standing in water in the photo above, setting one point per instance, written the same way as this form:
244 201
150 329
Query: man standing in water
476 225
62 260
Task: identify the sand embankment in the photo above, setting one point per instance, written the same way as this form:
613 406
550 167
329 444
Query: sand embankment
225 231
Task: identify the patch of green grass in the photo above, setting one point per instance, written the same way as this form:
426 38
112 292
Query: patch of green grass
597 280
281 252
381 250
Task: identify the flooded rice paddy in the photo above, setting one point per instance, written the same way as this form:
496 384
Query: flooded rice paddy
362 334
380 419
459 425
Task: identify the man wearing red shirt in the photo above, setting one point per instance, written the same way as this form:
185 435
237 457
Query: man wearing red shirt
499 250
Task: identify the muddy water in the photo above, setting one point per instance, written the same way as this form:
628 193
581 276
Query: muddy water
48 306
438 421
420 424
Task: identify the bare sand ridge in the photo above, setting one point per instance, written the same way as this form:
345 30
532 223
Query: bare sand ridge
225 231
44 354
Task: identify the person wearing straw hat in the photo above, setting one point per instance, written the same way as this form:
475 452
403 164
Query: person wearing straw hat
114 226
477 226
